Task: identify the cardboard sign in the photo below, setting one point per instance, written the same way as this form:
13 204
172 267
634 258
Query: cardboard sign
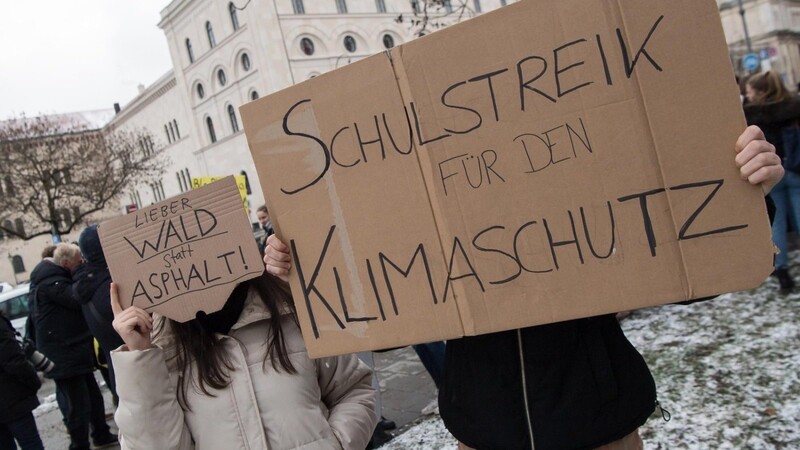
547 161
183 255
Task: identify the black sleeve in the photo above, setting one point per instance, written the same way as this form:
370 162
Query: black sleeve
12 360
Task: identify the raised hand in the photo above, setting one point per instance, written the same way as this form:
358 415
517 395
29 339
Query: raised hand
133 324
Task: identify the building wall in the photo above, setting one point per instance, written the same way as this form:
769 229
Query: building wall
774 26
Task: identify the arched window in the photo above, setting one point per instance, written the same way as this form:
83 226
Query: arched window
298 7
210 32
221 77
171 132
245 62
388 40
234 18
341 6
380 5
17 264
307 46
254 95
350 43
232 116
212 136
189 50
201 92
177 132
166 131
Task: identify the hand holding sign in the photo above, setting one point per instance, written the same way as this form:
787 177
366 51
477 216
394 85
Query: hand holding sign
756 159
277 258
133 324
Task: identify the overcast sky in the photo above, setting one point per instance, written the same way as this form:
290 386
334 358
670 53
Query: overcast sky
76 55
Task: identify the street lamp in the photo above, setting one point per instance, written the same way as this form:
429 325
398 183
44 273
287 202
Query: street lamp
744 24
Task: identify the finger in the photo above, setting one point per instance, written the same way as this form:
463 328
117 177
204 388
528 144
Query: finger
115 306
767 177
752 149
274 254
760 160
135 324
274 242
751 133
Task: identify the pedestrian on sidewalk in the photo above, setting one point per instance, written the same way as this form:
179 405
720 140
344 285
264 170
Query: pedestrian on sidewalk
237 378
63 336
18 385
577 384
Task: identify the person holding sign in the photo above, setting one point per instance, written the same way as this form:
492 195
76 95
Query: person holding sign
236 378
577 384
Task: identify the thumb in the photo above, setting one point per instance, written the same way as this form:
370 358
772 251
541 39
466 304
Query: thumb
115 306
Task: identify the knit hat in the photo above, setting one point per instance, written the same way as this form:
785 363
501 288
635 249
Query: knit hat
89 242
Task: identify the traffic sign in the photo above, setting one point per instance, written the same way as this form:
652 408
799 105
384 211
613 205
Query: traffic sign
751 61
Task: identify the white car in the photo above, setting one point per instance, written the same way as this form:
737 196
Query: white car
14 305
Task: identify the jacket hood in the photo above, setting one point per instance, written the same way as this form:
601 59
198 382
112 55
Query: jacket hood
48 269
768 113
89 242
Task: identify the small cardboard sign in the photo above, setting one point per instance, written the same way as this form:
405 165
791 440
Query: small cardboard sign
241 183
550 160
182 255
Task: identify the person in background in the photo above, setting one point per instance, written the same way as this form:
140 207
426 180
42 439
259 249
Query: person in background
18 385
236 378
577 384
30 329
771 107
63 336
266 224
91 287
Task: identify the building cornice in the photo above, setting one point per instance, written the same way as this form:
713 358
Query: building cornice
150 94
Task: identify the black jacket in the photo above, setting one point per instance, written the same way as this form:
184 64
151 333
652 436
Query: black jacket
61 331
586 386
91 286
18 379
772 117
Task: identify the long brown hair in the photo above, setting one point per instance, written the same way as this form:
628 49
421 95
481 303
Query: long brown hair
196 344
768 87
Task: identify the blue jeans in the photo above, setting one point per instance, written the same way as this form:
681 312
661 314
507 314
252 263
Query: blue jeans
786 195
24 431
432 357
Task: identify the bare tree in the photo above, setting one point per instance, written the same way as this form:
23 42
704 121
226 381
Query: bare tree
430 15
54 172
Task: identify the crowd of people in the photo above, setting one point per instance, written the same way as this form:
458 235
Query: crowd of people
241 377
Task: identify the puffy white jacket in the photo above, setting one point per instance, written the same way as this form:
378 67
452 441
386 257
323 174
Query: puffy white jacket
328 404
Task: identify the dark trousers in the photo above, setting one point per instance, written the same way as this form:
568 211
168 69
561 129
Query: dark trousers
82 406
24 431
432 357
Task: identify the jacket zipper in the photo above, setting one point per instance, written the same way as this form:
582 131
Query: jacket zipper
525 388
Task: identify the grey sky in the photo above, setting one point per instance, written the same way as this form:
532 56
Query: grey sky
76 55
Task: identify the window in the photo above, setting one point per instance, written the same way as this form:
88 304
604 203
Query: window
232 116
189 50
350 43
177 132
245 62
212 136
254 95
388 40
210 32
221 77
307 46
448 6
201 92
234 18
20 227
502 2
19 267
184 181
341 6
172 132
7 187
380 5
297 6
166 131
64 218
477 4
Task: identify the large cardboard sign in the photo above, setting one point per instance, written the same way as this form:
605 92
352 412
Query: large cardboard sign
182 255
551 160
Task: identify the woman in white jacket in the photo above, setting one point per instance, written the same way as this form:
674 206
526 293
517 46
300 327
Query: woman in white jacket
239 378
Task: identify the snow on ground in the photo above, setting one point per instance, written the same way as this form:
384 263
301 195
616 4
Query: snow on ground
46 405
726 370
